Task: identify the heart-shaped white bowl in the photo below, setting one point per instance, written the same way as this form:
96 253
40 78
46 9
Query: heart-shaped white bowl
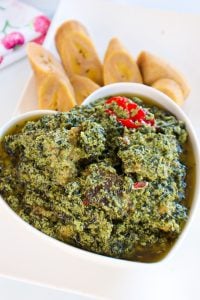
135 89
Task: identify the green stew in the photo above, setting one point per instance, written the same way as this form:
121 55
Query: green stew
110 177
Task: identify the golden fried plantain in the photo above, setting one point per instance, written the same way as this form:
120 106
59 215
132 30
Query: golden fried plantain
54 88
153 68
42 61
119 64
77 52
55 92
171 88
83 87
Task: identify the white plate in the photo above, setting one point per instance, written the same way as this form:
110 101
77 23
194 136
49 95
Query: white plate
28 257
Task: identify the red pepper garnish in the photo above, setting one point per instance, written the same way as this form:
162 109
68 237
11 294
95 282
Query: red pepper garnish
139 116
133 121
131 106
86 202
121 101
140 185
128 123
150 122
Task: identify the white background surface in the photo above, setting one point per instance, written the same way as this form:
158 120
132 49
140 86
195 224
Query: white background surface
12 81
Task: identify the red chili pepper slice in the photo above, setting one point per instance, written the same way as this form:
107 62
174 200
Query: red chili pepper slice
121 101
128 106
128 123
86 202
150 122
131 106
139 116
140 185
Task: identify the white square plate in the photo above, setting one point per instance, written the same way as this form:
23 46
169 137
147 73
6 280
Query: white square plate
27 256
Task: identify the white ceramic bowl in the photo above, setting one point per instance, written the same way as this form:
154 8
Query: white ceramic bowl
113 89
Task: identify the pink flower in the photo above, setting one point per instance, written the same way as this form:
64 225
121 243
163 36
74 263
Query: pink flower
40 39
1 59
13 39
41 24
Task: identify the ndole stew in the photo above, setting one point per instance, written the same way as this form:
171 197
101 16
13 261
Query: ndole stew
112 177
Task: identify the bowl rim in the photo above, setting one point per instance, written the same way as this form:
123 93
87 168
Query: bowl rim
119 88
